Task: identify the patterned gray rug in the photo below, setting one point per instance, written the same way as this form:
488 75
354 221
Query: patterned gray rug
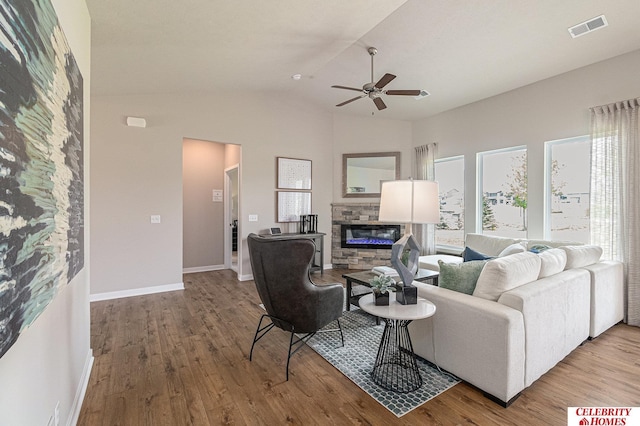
356 359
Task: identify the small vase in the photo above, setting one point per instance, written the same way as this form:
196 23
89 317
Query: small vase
381 299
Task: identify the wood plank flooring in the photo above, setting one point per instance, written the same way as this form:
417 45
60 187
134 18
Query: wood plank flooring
182 358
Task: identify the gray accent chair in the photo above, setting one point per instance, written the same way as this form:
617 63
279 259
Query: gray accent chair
292 301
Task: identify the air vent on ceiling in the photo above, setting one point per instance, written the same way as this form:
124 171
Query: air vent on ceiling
588 26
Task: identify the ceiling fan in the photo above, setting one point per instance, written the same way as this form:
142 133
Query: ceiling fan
374 91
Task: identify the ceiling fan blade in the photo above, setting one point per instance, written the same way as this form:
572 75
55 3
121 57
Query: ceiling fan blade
403 92
351 100
386 79
379 103
348 88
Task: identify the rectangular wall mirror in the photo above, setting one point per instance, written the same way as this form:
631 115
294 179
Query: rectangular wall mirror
363 174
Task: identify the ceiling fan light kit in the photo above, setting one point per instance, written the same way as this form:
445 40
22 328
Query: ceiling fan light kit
374 91
423 94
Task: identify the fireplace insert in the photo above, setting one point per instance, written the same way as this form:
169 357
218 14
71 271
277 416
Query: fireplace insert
369 236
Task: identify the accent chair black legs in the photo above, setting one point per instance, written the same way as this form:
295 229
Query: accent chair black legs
295 342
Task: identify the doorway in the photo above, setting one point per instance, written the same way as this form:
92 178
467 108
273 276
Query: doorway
231 214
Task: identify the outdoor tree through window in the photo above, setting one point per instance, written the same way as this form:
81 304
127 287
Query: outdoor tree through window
502 178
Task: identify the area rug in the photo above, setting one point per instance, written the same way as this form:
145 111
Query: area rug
356 359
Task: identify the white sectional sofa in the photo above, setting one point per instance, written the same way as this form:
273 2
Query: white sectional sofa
526 314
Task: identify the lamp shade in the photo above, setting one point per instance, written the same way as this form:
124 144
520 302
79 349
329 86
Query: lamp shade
409 201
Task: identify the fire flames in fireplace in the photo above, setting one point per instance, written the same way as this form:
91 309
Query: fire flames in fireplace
369 236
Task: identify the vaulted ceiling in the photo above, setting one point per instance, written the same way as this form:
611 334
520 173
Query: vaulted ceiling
460 51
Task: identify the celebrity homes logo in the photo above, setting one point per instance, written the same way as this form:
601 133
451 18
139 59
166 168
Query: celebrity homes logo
603 416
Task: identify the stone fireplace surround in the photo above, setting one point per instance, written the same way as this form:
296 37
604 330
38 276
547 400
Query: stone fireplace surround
355 258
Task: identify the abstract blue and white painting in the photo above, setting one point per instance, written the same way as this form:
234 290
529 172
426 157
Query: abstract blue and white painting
41 164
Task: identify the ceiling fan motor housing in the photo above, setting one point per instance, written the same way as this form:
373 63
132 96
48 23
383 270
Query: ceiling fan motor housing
374 90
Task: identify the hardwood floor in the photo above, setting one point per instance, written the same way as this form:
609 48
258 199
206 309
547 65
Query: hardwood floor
182 358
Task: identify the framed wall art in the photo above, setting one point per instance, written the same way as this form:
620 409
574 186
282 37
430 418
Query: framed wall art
292 204
293 173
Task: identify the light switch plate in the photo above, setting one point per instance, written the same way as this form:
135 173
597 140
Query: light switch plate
155 218
253 218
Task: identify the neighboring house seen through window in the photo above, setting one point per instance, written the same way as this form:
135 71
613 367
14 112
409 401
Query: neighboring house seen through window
449 174
567 175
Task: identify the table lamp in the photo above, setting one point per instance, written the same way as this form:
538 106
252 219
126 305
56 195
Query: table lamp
408 202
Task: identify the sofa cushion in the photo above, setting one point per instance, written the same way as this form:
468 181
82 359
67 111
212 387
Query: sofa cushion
579 256
506 273
470 254
461 277
513 249
488 244
553 262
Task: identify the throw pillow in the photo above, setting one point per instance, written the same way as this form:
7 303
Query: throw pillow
460 277
539 248
553 262
506 273
579 256
513 249
470 254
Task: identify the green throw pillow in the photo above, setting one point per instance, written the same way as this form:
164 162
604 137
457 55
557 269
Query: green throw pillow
461 277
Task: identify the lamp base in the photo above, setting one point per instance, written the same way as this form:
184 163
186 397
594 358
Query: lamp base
407 294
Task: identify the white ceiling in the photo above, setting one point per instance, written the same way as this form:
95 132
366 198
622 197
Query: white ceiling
460 51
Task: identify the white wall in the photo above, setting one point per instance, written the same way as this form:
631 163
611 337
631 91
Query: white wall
51 360
551 109
137 172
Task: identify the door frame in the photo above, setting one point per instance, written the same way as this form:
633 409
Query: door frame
227 219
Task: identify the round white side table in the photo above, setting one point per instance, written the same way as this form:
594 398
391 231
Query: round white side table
396 368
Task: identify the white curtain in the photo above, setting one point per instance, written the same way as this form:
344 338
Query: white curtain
425 170
615 193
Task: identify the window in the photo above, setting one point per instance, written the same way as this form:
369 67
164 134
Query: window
450 176
502 192
567 175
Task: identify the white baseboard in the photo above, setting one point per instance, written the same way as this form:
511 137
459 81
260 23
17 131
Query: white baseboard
135 292
249 277
81 391
203 269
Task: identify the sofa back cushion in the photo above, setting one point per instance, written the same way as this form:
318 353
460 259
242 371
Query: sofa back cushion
488 245
461 277
553 262
506 273
551 243
584 255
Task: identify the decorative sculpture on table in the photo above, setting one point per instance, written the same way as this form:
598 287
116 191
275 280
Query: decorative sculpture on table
408 202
